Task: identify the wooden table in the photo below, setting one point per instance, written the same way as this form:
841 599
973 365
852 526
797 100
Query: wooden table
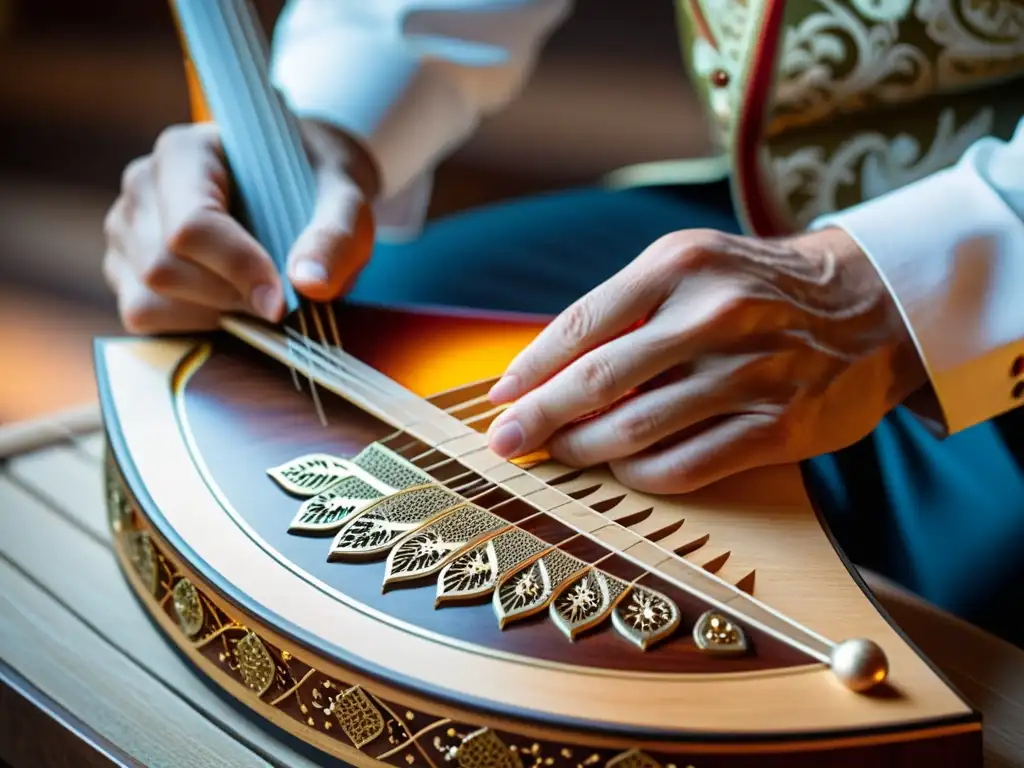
87 680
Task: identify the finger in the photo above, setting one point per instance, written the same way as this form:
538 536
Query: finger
621 302
111 269
336 245
192 203
144 312
187 281
591 383
649 417
115 223
168 275
725 448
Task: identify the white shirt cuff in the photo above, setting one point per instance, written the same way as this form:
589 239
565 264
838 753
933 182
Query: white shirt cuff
950 249
411 79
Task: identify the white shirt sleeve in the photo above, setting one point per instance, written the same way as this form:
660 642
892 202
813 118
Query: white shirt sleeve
410 78
950 248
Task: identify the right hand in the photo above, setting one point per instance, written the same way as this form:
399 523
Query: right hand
177 260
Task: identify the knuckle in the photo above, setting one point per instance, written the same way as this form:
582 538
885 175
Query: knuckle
735 304
627 473
190 232
597 377
160 273
567 450
139 314
637 427
134 173
694 256
184 139
710 239
241 267
577 324
692 250
173 138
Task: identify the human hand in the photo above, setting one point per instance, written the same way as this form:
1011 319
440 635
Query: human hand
711 354
177 260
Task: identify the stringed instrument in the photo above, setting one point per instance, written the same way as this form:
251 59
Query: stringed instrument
363 573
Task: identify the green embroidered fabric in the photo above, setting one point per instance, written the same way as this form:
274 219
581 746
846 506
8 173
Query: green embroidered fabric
869 95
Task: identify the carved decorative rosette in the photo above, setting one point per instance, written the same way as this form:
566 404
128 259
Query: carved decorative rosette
475 573
645 616
586 601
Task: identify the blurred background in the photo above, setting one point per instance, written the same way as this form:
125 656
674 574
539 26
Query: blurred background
86 87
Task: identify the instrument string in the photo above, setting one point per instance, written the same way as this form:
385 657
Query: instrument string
384 396
450 460
480 494
317 404
262 142
300 193
278 191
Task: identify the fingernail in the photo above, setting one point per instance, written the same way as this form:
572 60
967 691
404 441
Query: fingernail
505 389
309 271
506 438
264 301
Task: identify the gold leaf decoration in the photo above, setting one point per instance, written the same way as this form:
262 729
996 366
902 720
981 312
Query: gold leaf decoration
143 558
358 717
310 474
254 663
528 589
326 511
470 574
475 573
645 617
382 524
585 602
389 468
715 632
188 607
118 508
423 552
633 759
484 749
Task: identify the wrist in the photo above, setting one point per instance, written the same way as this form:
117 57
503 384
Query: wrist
836 252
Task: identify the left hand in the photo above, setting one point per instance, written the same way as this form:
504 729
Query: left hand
711 354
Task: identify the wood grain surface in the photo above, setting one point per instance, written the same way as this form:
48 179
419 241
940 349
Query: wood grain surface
87 660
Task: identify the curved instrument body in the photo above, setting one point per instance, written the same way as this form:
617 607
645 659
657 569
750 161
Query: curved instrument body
367 575
399 603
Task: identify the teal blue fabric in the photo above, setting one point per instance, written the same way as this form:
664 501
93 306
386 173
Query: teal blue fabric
945 518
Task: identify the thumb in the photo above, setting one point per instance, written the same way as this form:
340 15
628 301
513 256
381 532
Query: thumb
333 249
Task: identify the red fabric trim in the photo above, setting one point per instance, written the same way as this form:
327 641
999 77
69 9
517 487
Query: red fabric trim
760 215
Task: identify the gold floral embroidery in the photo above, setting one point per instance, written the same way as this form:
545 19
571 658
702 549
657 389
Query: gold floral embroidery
870 94
815 181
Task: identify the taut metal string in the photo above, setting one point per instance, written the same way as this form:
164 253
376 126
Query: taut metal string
382 396
262 142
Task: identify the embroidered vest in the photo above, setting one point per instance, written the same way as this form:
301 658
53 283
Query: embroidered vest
822 104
